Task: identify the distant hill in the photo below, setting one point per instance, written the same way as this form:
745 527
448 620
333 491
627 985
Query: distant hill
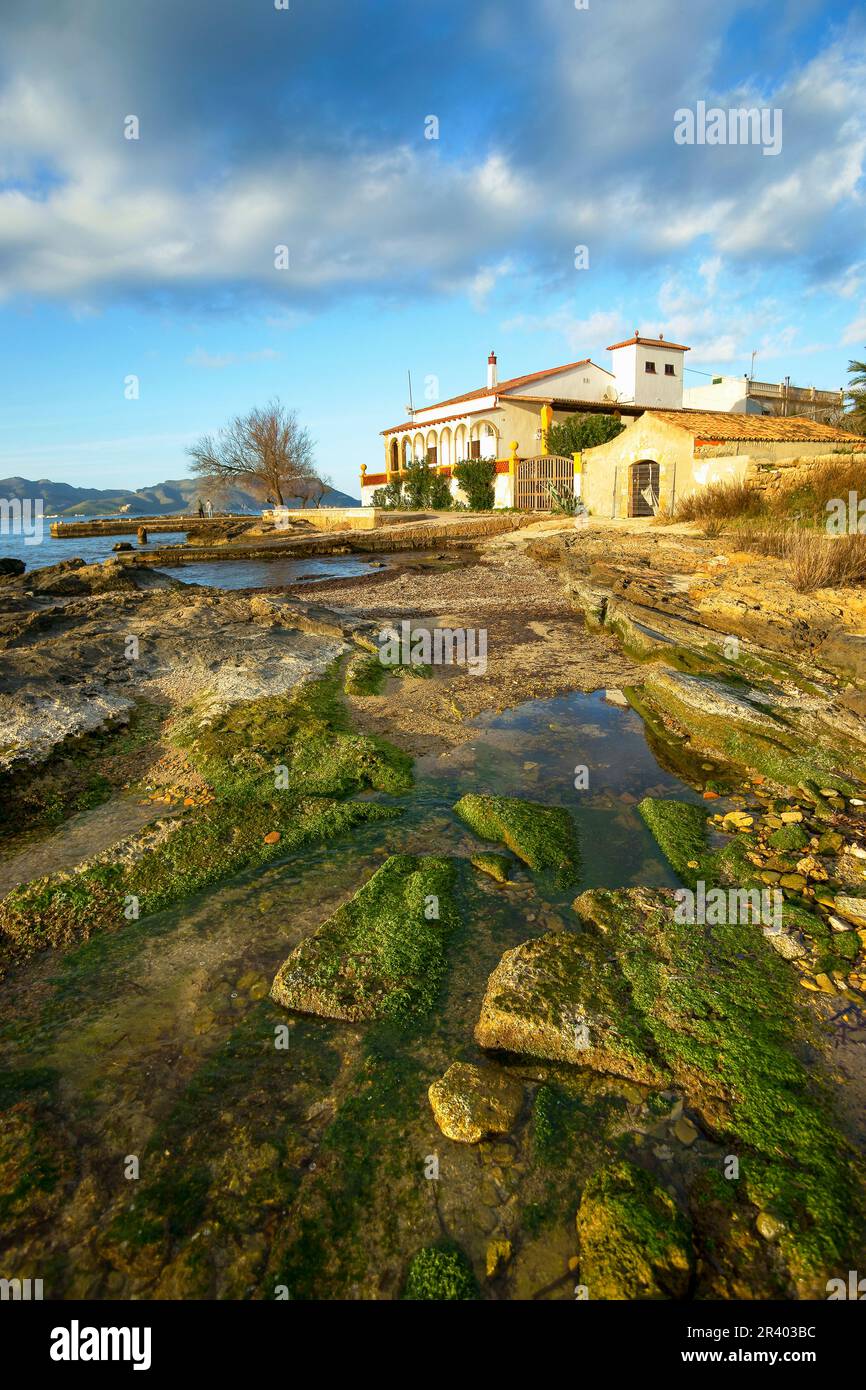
174 495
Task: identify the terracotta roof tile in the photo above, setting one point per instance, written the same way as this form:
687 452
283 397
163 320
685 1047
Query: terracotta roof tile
501 388
649 342
719 424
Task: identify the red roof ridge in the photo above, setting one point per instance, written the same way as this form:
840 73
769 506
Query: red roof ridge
649 342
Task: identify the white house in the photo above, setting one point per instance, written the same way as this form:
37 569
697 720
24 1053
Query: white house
508 420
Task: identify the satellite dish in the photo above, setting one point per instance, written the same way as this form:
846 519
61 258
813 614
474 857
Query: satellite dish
609 393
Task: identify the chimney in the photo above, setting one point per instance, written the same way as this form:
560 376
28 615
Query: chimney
491 369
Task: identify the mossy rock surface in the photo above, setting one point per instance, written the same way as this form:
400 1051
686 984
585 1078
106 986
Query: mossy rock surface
560 998
496 866
382 954
634 1242
281 764
725 1016
544 837
788 837
441 1274
680 831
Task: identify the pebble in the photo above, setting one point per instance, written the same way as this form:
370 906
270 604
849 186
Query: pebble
768 1226
685 1131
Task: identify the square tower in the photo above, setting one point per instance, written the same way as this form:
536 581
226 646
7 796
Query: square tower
649 371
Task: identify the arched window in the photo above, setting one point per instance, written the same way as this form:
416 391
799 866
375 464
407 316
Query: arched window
484 440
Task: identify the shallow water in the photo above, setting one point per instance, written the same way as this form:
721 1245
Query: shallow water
267 574
161 1041
90 549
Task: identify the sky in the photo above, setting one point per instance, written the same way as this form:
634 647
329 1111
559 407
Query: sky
143 301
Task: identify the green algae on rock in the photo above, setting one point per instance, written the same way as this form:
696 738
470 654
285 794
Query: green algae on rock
496 866
634 1242
560 998
303 739
764 736
382 954
440 1273
680 831
544 837
471 1102
724 1013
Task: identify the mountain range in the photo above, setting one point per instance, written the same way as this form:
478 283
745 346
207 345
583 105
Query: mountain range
163 499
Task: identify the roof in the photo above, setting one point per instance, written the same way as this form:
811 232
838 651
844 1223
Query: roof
501 388
421 425
649 342
718 424
505 387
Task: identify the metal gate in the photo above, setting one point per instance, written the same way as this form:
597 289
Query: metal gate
533 479
644 488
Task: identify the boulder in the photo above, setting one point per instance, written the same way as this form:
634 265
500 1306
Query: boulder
634 1242
9 565
544 837
562 998
383 953
471 1102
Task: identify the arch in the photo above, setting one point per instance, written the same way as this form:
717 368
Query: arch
395 455
418 446
407 449
445 456
485 437
431 446
461 448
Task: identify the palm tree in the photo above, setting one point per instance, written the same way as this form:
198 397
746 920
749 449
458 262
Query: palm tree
856 394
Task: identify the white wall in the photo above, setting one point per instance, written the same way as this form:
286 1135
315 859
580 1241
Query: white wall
635 383
581 383
727 394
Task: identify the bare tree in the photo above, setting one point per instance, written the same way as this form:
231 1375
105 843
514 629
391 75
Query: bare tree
311 489
267 450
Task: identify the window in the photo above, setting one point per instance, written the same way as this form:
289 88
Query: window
431 454
650 367
475 449
669 369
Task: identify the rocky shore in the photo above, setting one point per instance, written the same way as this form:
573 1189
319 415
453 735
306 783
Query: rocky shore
370 1038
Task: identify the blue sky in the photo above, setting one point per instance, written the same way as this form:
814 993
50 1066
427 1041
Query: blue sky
305 127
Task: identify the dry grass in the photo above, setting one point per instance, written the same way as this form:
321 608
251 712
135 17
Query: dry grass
808 498
814 559
718 502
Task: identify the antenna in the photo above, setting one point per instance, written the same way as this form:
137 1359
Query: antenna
410 409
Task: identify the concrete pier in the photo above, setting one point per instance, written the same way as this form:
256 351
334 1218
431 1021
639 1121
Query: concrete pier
128 525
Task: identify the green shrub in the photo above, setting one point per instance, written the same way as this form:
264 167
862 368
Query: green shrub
579 432
475 477
439 499
440 1273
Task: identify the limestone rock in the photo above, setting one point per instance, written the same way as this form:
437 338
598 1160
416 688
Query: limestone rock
634 1242
380 955
544 837
470 1102
852 908
497 866
561 998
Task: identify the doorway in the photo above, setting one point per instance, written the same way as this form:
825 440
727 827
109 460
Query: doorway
644 493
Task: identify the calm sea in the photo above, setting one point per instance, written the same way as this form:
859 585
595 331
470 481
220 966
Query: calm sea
222 574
